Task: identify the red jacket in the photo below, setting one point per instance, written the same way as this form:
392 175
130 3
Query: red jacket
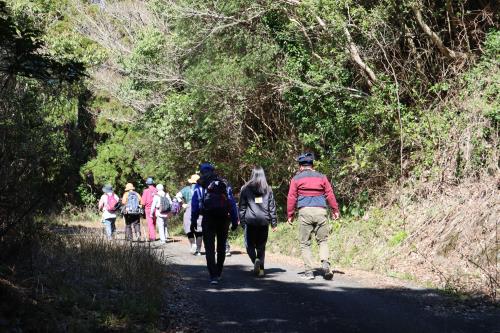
310 188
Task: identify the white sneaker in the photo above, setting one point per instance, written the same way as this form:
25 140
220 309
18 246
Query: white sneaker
256 267
193 249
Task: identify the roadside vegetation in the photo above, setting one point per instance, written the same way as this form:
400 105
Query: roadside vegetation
71 279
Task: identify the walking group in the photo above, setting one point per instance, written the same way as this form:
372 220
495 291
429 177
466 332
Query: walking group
210 210
154 203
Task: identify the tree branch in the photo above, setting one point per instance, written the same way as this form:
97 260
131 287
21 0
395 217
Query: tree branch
448 53
354 53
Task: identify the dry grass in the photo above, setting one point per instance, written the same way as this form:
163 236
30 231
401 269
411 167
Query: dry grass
79 282
453 239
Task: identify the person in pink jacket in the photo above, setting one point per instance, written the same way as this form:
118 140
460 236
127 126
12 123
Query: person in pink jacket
147 201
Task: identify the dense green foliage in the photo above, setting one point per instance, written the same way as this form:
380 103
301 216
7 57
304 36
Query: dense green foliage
43 141
171 83
242 83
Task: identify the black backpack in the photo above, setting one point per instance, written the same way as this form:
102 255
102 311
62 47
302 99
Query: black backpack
216 198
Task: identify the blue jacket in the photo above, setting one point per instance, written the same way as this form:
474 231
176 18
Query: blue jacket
196 203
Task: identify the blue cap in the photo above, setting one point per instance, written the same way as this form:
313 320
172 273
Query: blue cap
205 167
107 188
150 181
306 159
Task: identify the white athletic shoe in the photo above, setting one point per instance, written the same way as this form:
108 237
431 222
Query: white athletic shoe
256 267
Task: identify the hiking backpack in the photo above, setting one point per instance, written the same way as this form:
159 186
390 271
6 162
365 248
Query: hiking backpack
112 203
216 198
165 205
133 207
176 207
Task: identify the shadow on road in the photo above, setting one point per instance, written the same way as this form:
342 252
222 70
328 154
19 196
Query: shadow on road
283 302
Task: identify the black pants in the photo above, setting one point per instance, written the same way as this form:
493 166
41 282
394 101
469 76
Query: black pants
215 226
132 221
194 234
255 242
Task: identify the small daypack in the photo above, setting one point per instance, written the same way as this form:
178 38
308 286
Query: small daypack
112 203
165 205
133 207
176 207
216 198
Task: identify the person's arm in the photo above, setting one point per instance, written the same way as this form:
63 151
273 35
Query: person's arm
143 198
195 206
124 198
330 198
153 206
291 200
234 209
272 211
179 196
242 207
139 198
101 203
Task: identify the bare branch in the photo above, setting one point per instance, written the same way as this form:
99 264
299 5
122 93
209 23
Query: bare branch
435 38
354 53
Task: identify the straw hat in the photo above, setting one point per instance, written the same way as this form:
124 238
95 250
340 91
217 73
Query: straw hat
194 178
129 187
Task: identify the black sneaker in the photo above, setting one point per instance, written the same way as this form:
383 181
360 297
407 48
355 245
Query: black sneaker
327 271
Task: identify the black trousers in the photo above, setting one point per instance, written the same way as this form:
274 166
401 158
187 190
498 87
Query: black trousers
215 226
255 242
132 221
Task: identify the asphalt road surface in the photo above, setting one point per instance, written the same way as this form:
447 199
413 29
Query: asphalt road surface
283 302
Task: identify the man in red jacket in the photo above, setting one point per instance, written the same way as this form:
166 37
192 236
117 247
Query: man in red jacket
310 192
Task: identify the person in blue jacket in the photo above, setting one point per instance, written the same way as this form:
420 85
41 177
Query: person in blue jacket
213 199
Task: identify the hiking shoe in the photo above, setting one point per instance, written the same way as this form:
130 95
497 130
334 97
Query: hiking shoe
228 253
327 271
256 267
214 281
261 272
197 253
308 275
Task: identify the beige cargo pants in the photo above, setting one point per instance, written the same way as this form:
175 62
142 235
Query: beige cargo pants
313 221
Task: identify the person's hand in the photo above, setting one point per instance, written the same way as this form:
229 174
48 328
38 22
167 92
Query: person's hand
274 228
289 221
184 205
336 215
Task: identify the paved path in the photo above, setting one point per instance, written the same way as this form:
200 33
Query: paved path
283 302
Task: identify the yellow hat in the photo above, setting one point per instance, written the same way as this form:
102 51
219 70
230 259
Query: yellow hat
194 178
129 187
